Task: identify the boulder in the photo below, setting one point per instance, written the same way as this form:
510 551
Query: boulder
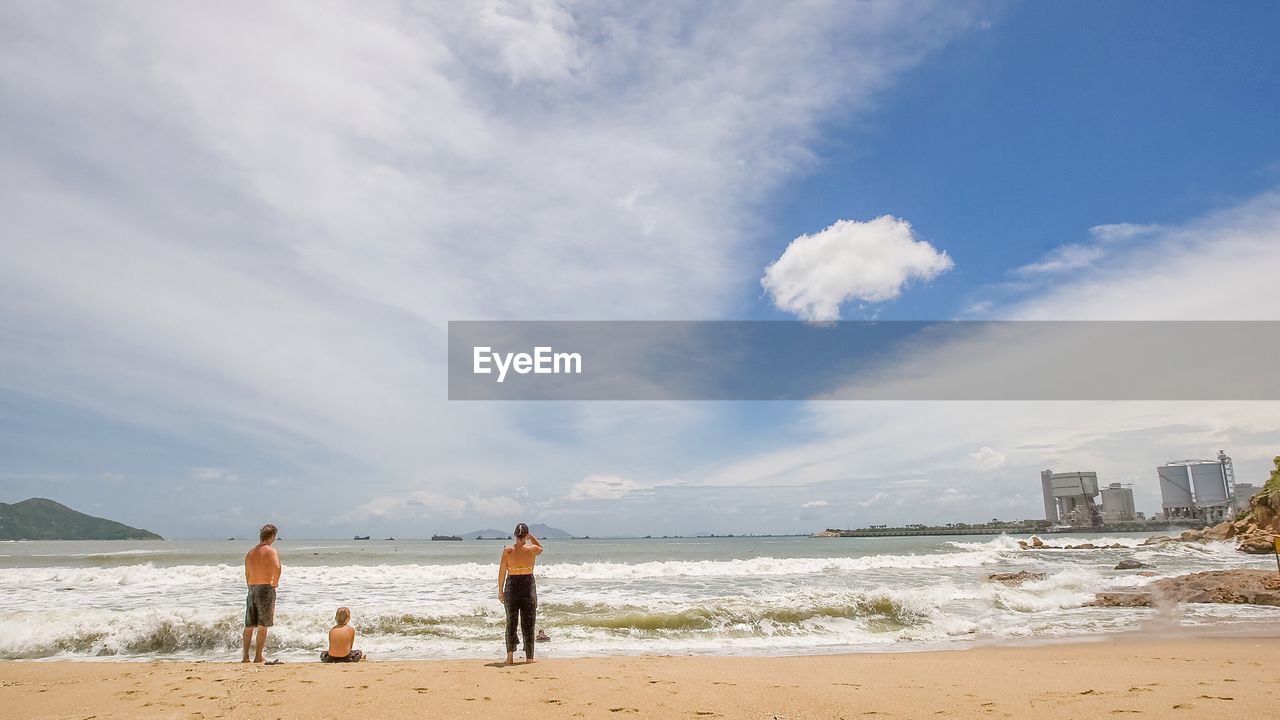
1191 535
1013 579
1036 542
1257 587
1256 542
1131 565
1157 540
1221 532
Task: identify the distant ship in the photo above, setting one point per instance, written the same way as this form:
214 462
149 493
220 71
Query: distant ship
446 537
361 537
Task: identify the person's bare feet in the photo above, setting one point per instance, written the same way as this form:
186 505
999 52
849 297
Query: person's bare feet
244 659
529 660
510 659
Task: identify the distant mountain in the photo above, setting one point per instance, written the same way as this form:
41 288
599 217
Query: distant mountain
539 531
41 519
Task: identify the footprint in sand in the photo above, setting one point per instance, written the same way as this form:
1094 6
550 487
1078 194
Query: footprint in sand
623 709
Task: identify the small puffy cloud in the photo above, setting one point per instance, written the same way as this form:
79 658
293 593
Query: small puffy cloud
213 474
987 459
850 260
603 487
814 504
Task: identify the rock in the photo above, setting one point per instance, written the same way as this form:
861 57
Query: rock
1256 542
1148 573
1022 544
1086 546
1220 532
1131 565
1116 546
1013 579
1036 542
1257 587
1157 540
1191 535
1121 599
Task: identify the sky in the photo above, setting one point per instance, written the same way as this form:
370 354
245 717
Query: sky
234 236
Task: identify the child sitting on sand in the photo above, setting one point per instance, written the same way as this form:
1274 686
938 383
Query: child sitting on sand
341 638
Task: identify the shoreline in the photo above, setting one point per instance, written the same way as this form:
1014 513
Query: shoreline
1110 675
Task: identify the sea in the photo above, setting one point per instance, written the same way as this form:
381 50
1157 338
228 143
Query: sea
416 599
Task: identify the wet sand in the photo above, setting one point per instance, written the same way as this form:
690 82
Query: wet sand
1121 677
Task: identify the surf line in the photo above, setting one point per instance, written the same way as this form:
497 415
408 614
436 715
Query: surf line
543 361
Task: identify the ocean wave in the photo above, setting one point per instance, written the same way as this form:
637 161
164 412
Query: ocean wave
148 574
106 633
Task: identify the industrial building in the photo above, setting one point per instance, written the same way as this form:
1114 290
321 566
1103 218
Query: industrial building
1117 504
1069 498
1201 490
1245 493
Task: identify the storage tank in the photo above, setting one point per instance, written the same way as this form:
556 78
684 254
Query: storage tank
1175 486
1209 483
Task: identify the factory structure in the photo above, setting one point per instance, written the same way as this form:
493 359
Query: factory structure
1192 493
1201 490
1070 500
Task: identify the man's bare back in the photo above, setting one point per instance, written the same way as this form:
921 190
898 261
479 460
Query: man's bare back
262 566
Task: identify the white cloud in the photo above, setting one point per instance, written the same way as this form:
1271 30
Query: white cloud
499 506
1078 256
213 475
814 504
987 459
874 499
604 487
850 260
1062 259
1122 231
410 505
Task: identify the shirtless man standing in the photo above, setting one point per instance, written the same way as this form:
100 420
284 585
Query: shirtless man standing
262 573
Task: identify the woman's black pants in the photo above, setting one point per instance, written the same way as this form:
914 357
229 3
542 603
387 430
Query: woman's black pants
521 596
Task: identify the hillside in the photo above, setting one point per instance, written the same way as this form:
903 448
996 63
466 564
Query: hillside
539 530
42 519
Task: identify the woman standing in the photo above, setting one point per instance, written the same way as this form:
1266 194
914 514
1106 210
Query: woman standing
517 590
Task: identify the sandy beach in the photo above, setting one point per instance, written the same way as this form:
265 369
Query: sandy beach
1123 676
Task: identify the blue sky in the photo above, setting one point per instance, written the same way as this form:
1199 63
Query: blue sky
230 256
